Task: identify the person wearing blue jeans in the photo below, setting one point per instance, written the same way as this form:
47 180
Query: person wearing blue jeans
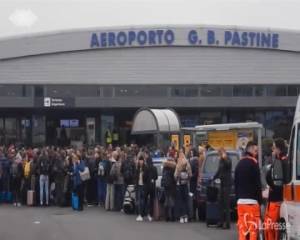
140 198
102 174
119 196
78 189
44 170
101 191
182 194
183 173
44 185
142 177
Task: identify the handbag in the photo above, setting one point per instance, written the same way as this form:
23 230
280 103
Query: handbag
161 195
85 175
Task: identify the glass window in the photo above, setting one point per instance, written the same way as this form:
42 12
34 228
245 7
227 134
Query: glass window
292 91
107 91
227 91
210 91
123 91
242 91
177 92
10 130
39 91
259 91
141 91
191 91
11 91
72 91
279 90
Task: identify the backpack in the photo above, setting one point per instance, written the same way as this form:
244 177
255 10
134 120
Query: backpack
112 174
27 169
102 168
128 172
183 177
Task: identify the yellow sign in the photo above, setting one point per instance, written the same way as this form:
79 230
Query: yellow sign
222 139
175 141
186 140
186 143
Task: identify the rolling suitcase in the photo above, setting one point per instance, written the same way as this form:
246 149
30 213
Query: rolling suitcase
30 198
156 210
212 193
212 206
8 197
191 206
212 213
1 197
158 205
75 202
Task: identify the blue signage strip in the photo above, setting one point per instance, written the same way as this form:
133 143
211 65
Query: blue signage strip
193 37
130 38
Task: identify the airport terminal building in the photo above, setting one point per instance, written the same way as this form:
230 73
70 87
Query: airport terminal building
90 80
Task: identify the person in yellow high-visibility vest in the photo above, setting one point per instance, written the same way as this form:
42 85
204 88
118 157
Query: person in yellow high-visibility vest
108 137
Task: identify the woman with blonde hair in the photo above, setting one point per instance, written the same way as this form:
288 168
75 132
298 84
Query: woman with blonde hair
182 175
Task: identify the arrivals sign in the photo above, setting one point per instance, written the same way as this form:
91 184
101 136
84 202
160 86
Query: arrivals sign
185 37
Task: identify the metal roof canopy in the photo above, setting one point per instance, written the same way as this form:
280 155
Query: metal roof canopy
155 121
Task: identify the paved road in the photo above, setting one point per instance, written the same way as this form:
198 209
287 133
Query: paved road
94 223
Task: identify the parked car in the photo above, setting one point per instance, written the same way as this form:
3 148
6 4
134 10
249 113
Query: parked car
158 163
158 157
209 169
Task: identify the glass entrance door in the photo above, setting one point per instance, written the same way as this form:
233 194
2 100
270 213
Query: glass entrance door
11 130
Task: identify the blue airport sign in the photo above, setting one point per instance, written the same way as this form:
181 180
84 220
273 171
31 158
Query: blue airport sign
192 37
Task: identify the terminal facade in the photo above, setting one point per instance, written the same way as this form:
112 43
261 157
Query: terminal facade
89 81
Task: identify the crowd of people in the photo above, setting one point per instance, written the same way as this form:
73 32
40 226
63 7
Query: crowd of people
55 173
104 176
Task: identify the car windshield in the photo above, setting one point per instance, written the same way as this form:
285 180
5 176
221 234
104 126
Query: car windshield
212 162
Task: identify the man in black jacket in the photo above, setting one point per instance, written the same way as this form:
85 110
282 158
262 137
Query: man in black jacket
150 185
249 193
224 174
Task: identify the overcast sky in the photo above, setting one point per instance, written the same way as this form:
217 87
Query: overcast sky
25 17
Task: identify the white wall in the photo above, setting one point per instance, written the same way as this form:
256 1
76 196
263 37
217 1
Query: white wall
155 65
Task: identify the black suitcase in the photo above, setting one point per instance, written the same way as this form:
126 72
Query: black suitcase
191 206
212 213
212 193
